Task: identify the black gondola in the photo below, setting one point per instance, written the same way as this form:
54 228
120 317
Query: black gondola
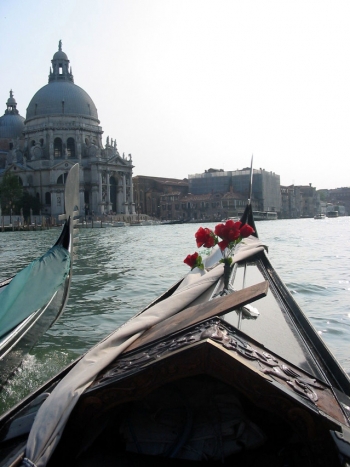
199 376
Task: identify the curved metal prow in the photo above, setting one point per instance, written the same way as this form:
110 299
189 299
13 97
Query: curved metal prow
247 216
250 181
69 235
71 204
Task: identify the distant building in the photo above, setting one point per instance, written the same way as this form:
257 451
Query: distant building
338 197
309 200
210 207
149 190
11 130
290 202
62 128
300 201
266 185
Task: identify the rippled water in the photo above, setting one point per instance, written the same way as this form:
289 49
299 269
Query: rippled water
120 270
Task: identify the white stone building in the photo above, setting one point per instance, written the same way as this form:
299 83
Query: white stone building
62 128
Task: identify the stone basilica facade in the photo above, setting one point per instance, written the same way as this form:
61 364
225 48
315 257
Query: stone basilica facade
62 128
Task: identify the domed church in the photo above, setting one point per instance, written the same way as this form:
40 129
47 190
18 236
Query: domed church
62 128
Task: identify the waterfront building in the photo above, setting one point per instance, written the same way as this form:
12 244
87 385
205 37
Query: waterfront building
300 201
11 131
210 207
169 199
339 197
148 193
62 128
290 202
266 185
309 200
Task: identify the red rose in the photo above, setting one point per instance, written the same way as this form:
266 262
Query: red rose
246 230
233 235
228 231
219 229
223 244
205 237
194 261
233 225
191 260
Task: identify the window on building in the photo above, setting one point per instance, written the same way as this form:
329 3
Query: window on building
57 147
48 198
86 197
71 147
62 179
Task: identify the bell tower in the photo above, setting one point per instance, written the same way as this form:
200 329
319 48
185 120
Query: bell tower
60 63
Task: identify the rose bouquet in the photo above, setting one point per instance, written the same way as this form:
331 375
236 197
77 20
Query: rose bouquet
226 235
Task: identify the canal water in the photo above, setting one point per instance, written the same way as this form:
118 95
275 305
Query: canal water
118 271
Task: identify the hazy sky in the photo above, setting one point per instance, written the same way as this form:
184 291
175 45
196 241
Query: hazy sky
185 85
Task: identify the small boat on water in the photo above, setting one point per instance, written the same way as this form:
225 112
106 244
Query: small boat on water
120 224
320 216
35 298
114 224
143 223
265 215
234 218
172 222
332 214
223 368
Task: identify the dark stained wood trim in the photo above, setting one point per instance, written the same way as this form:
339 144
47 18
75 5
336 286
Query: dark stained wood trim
197 313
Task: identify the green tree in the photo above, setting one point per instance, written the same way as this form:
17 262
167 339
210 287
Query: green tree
29 202
11 193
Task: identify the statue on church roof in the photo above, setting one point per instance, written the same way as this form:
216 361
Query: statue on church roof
60 45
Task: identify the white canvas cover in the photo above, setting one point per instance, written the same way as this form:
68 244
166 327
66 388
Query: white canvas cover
53 414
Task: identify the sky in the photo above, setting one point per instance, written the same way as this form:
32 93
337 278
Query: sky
188 85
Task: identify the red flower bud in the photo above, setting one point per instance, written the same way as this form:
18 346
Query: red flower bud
246 230
190 260
228 231
223 244
205 237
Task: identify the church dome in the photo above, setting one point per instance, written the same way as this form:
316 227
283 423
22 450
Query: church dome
61 96
11 123
60 55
